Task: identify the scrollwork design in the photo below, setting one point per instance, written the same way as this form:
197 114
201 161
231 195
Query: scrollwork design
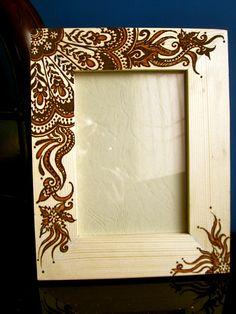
167 48
216 261
55 55
54 221
60 140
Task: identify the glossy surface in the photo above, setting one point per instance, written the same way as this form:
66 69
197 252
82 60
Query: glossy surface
208 294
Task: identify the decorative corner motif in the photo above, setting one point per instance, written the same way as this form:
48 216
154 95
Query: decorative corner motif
216 261
54 221
167 48
55 55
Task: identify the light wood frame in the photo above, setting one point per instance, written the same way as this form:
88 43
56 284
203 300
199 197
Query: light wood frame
202 54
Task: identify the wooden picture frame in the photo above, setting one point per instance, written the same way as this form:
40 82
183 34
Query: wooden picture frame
202 57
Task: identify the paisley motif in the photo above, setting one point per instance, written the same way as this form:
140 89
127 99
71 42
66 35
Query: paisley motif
55 55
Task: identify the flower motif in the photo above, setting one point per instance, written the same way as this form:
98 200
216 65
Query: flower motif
54 217
50 218
54 222
54 58
40 92
34 50
46 41
59 86
53 35
85 60
216 261
47 46
97 38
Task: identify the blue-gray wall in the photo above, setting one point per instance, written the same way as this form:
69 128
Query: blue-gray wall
154 13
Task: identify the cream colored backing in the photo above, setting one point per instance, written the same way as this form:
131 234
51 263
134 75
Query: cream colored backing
145 254
130 136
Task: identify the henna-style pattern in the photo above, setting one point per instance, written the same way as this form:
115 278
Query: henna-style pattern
61 140
54 222
183 48
55 55
216 261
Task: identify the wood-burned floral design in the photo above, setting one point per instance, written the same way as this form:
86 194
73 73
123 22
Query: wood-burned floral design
56 143
216 261
168 48
54 224
55 55
44 42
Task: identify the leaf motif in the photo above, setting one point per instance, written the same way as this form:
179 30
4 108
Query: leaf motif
53 65
216 261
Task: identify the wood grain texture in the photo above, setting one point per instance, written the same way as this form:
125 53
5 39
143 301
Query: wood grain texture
73 244
122 256
209 150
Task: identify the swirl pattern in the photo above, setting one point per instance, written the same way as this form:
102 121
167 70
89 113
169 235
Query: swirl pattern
215 262
55 55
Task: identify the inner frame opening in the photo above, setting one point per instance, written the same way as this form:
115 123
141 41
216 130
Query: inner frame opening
131 152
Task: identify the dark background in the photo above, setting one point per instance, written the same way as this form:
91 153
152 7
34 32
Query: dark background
155 13
17 238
